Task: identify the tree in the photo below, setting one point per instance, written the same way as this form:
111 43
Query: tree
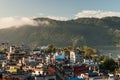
50 49
3 50
67 53
108 65
90 52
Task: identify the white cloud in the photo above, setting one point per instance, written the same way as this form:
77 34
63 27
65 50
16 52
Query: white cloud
40 14
96 14
7 22
58 18
16 21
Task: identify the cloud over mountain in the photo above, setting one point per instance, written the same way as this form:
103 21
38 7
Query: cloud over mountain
7 22
58 18
96 14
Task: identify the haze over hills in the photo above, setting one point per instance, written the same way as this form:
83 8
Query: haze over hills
77 32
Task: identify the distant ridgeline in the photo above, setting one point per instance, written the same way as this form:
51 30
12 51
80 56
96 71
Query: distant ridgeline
77 32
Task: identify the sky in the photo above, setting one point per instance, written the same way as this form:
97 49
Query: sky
21 10
64 8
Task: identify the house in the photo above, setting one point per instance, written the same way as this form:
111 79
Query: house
3 58
80 69
15 56
76 57
72 57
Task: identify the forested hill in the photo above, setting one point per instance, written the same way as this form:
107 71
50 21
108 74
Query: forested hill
82 31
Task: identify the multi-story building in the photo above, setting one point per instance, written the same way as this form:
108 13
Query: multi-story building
15 53
76 57
3 58
15 56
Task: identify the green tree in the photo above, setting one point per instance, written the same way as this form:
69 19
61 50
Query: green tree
50 49
3 50
90 52
67 53
108 65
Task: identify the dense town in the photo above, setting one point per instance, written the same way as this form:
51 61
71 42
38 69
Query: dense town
50 63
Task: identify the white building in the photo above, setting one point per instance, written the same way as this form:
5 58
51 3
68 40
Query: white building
72 57
76 57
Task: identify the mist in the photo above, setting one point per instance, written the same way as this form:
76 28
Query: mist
7 22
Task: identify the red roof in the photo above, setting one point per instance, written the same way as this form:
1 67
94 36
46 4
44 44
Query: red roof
81 69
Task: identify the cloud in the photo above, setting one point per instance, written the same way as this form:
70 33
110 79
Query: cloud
17 21
43 23
96 14
7 22
40 14
58 18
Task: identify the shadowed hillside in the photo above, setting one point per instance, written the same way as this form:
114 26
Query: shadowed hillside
82 31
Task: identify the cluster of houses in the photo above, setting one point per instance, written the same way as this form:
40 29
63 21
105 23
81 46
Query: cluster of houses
18 64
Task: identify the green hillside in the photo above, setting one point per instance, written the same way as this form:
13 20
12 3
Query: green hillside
82 31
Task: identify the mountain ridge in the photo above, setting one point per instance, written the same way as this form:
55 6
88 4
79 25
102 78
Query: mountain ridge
76 32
